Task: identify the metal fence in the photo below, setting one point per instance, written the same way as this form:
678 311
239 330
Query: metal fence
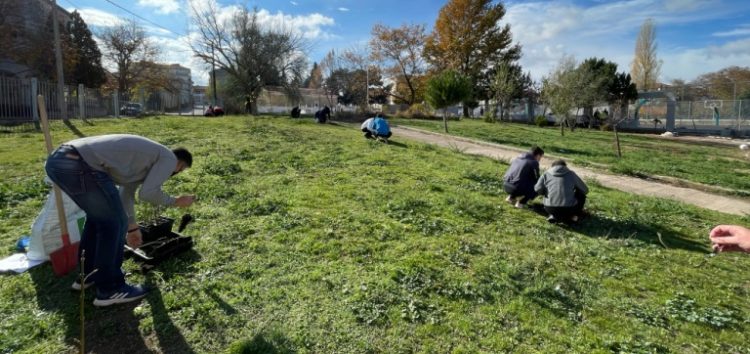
19 111
725 117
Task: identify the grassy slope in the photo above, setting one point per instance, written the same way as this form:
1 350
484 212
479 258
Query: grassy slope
723 166
311 239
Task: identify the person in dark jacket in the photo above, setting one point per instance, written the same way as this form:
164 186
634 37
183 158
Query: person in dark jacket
564 193
323 115
519 180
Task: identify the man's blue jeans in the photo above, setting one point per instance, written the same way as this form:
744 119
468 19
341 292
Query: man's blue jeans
103 236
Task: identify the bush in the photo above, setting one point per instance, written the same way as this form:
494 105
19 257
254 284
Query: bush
541 121
347 116
417 111
489 117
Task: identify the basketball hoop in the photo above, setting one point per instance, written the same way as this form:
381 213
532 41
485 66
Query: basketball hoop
711 104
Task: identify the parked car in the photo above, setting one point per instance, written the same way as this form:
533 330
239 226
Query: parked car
132 110
214 111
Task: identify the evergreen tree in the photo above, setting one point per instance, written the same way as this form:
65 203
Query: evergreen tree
88 69
315 80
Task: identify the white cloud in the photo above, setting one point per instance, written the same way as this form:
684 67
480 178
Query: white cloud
98 18
294 3
178 51
743 30
547 30
343 9
309 26
689 5
690 63
162 6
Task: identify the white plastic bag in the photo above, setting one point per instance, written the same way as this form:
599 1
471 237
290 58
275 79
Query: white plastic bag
45 232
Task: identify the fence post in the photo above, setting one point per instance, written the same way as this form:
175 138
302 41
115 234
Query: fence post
739 117
81 102
116 103
34 107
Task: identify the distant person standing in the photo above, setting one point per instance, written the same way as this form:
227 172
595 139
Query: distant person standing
564 193
521 176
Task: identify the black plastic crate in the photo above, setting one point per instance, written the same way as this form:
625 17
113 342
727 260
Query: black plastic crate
155 229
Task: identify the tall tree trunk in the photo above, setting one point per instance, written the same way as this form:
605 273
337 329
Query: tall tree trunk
466 110
562 125
572 127
617 141
445 120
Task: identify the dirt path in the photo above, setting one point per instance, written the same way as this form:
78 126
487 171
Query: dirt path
626 184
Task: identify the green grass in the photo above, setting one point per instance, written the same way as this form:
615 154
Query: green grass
711 164
311 239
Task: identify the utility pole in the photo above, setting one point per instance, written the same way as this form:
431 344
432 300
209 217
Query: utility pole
58 60
367 86
213 71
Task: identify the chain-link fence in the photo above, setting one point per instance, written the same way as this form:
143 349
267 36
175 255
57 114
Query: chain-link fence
695 115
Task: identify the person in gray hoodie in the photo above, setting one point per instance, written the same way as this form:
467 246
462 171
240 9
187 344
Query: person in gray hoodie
520 177
89 170
564 192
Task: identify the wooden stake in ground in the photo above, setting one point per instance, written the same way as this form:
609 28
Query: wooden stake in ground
64 259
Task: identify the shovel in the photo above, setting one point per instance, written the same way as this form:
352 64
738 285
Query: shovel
64 259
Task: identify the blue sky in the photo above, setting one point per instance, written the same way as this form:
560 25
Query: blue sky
694 36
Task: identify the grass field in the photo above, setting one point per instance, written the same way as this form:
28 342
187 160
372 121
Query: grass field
310 239
643 155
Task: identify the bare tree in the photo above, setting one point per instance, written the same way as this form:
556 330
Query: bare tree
401 48
252 55
129 49
509 83
646 67
330 65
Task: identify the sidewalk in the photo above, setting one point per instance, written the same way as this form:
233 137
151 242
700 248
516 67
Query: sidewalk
623 183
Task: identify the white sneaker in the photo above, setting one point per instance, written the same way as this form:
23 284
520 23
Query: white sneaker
520 205
510 200
126 293
77 286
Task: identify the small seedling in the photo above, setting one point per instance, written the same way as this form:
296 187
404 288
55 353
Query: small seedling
82 278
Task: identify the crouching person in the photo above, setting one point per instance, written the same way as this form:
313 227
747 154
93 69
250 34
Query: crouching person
564 193
376 127
519 180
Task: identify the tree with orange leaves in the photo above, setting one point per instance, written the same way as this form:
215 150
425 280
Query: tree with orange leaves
401 48
469 39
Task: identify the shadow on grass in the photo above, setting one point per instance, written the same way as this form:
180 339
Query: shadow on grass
223 305
113 329
268 342
397 144
74 129
593 225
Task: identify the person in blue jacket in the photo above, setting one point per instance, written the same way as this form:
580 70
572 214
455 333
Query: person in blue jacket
376 127
521 176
